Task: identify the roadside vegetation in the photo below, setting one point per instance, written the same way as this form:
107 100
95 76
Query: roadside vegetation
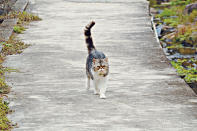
4 122
176 26
10 47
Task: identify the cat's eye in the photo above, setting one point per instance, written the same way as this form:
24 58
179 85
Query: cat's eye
103 66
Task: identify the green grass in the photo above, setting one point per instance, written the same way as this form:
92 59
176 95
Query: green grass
172 22
13 46
180 2
4 88
175 46
18 29
167 13
152 2
189 74
191 78
25 18
5 124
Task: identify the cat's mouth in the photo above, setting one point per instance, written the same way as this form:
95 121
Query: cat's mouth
102 73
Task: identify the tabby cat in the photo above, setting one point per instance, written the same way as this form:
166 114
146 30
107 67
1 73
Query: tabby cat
97 66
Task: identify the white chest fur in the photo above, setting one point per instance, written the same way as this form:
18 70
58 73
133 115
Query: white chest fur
100 84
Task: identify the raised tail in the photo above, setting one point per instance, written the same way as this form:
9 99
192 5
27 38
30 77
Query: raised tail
88 37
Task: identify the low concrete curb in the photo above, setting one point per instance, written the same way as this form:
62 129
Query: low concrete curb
155 31
6 27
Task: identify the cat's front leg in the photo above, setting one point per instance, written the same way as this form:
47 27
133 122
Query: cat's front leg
96 89
102 92
103 87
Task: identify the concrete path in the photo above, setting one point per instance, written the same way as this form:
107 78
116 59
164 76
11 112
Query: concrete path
144 92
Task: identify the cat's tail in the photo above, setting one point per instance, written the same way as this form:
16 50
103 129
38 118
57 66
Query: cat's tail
88 37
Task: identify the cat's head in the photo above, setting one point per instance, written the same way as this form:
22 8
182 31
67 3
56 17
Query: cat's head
101 66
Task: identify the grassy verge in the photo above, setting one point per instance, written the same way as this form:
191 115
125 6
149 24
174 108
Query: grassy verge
178 35
10 47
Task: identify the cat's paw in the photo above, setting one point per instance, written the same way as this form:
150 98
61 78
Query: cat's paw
88 87
96 93
102 96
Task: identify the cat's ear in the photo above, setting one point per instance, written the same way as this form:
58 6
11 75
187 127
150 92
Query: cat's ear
106 59
94 60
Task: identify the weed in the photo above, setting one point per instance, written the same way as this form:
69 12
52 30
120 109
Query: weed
172 22
189 72
25 17
167 13
152 2
185 33
175 46
13 46
5 124
192 16
18 29
191 78
179 2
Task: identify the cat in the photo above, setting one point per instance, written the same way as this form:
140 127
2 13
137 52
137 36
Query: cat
97 66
